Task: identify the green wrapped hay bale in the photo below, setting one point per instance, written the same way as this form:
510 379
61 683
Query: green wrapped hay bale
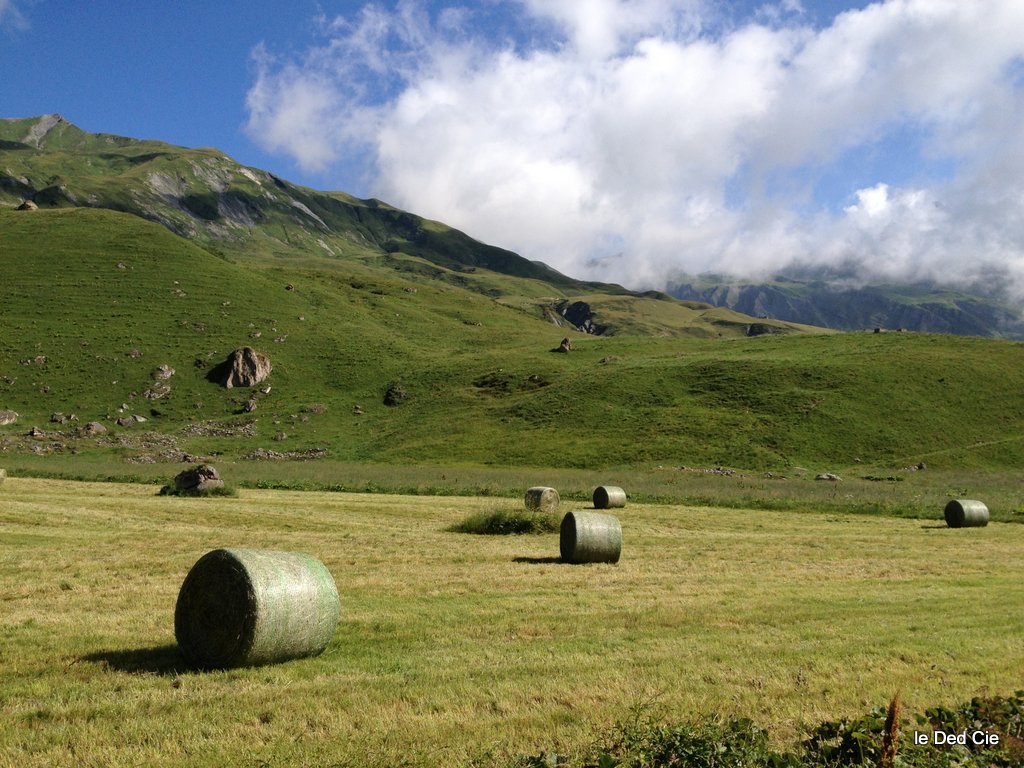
542 499
245 607
966 513
590 537
609 497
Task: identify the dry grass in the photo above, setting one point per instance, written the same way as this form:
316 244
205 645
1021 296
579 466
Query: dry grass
453 648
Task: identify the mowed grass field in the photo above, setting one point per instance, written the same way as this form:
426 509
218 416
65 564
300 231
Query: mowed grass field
457 650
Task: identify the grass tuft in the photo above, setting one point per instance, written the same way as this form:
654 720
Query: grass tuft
223 490
505 522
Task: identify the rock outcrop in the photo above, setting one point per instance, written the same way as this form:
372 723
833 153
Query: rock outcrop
198 480
245 367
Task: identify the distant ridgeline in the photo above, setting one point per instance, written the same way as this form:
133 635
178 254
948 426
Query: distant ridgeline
913 307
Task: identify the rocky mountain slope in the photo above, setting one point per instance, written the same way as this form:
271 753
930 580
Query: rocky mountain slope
832 304
251 216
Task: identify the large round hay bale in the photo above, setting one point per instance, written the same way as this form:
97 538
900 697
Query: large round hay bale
244 607
966 513
542 499
609 497
3 476
590 537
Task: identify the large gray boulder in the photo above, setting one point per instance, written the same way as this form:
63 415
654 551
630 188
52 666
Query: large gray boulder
245 367
8 417
198 480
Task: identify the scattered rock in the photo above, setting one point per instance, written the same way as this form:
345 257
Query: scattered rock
565 346
135 354
710 471
122 265
609 359
198 480
357 410
314 408
245 367
250 405
395 394
289 287
279 437
158 390
162 373
828 476
40 360
93 428
58 418
8 417
219 429
28 205
36 432
264 454
265 390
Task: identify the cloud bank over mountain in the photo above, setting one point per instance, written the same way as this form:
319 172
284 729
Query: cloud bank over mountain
627 139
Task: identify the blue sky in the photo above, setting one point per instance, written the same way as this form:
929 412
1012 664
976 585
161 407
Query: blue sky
625 140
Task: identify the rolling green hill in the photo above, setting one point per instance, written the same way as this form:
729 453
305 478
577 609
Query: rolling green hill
96 297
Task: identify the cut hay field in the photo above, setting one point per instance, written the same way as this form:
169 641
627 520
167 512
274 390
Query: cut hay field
461 650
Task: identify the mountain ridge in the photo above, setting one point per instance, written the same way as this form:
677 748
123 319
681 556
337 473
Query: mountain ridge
921 307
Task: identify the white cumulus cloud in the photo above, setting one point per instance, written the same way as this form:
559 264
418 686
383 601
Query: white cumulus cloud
627 140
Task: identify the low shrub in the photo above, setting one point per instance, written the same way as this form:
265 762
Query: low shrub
740 743
223 490
504 522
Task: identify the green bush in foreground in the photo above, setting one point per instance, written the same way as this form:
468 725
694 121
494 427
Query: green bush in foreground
740 743
505 522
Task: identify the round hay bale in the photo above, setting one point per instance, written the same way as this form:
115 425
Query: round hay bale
966 513
245 607
609 497
590 537
542 499
3 476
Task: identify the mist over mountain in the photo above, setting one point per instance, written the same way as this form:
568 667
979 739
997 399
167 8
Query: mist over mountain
845 301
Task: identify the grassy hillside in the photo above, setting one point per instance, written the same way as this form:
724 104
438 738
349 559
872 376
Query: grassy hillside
205 196
180 256
95 301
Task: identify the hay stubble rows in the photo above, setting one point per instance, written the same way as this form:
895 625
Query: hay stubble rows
452 647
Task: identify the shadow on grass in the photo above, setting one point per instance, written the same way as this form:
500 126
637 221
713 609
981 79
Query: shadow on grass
941 527
163 660
537 560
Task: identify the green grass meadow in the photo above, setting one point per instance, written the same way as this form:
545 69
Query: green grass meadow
459 650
